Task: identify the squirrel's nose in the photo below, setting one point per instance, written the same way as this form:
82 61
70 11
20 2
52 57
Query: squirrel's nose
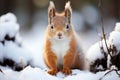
59 34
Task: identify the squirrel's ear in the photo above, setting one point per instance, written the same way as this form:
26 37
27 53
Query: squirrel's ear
68 11
51 11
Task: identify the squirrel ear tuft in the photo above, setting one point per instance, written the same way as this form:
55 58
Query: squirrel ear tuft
68 11
51 11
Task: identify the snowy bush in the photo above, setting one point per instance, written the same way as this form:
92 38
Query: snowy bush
96 57
99 58
114 40
12 51
8 26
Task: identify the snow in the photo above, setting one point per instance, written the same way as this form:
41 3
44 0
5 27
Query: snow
37 46
115 39
30 73
1 52
113 67
9 17
117 27
110 76
16 53
108 61
94 51
8 26
35 74
28 51
14 50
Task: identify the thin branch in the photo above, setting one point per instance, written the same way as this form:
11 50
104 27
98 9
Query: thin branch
1 71
109 72
103 31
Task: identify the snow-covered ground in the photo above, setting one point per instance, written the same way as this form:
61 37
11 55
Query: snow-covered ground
30 73
31 51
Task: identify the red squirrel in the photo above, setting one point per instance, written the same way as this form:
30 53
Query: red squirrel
62 49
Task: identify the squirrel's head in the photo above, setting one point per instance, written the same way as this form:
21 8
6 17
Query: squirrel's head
59 24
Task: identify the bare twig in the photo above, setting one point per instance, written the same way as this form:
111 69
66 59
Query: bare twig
103 31
109 72
22 64
1 71
102 49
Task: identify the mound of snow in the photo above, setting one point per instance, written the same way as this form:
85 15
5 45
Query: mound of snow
114 39
16 53
96 57
8 26
9 17
9 29
117 27
35 74
94 51
30 73
11 45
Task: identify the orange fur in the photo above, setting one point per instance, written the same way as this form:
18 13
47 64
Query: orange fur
71 58
50 58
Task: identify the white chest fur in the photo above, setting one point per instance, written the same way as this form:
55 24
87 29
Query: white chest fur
60 48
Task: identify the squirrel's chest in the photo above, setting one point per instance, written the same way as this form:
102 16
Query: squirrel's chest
60 49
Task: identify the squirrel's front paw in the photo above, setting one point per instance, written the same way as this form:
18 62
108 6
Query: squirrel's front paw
66 71
52 71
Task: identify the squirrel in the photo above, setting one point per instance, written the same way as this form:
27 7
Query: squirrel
62 51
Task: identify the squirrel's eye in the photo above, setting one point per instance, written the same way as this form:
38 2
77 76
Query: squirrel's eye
51 26
67 26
